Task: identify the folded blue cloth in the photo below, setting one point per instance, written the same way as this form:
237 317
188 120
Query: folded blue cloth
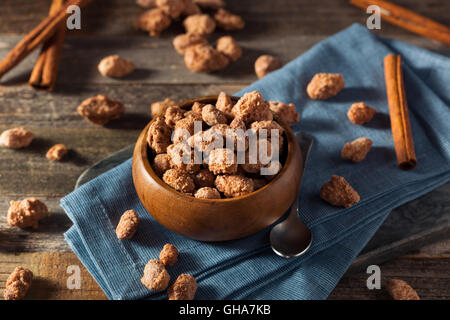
248 268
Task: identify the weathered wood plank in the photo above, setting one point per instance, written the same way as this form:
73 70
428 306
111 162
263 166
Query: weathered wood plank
51 276
429 277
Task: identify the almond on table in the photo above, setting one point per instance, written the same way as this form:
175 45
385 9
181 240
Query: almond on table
18 283
401 290
265 64
115 66
57 152
360 113
229 47
186 40
16 138
338 192
172 8
159 108
204 58
154 21
325 85
357 149
26 213
228 21
101 109
199 24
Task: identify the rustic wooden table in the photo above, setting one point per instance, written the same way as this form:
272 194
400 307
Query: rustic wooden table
285 28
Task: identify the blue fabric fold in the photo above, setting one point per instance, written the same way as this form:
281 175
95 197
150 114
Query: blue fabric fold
247 268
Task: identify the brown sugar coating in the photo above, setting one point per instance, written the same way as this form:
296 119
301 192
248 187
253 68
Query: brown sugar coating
357 149
168 255
155 276
159 108
101 109
199 24
325 85
228 21
179 180
284 113
207 140
182 158
204 178
26 213
207 193
212 116
265 64
184 128
401 290
172 8
16 138
128 225
161 163
146 3
225 104
267 125
173 114
153 21
360 113
339 193
197 107
204 58
186 40
251 107
238 124
158 136
234 185
229 47
57 152
222 161
18 283
115 66
183 288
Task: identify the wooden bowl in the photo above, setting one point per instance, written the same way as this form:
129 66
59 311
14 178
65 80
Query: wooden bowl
216 219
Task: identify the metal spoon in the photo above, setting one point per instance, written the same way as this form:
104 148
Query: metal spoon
291 237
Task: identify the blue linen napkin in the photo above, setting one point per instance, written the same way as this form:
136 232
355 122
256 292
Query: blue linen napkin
247 268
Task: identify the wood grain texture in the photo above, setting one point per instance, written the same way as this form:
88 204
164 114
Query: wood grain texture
275 27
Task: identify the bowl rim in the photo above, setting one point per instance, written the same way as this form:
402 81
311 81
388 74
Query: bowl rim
149 169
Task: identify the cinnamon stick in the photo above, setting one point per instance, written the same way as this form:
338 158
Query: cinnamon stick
45 70
398 110
40 34
408 20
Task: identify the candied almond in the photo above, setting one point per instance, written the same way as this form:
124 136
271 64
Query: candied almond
57 152
26 213
186 40
101 109
234 185
158 136
190 8
146 3
199 24
325 85
128 225
401 290
228 21
265 64
115 66
284 113
155 276
179 180
172 8
153 21
182 157
360 113
212 116
16 138
204 178
204 58
18 283
229 47
357 149
159 108
168 255
251 107
207 193
161 163
222 161
225 104
339 192
173 114
210 4
183 288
